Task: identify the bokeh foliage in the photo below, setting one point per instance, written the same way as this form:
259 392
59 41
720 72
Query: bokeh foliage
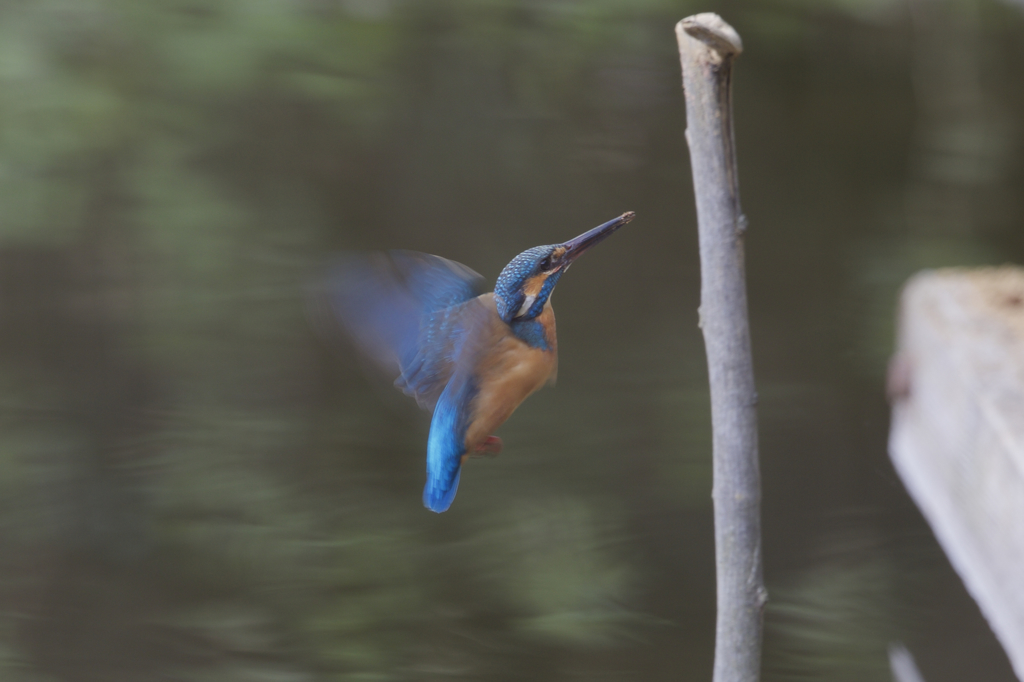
174 174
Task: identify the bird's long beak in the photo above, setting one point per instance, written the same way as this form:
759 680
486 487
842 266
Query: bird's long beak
574 248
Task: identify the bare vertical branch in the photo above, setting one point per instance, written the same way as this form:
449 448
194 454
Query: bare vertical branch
707 48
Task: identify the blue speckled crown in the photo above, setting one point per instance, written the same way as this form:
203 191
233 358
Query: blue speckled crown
508 290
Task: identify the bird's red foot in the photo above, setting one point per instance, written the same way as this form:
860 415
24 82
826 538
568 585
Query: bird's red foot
491 446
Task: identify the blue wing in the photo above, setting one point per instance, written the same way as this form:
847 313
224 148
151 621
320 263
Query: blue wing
417 316
404 311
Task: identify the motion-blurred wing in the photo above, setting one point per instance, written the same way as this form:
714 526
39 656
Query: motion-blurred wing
407 313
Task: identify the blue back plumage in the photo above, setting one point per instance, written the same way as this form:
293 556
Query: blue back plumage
532 332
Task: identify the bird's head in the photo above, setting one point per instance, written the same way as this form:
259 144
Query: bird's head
526 283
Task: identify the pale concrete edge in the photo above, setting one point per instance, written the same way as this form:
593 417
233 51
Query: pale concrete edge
956 539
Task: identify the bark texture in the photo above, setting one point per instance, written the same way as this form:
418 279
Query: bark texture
707 48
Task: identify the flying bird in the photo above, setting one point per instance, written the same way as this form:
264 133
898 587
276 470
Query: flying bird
468 357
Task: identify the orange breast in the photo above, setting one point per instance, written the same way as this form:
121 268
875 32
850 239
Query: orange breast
509 371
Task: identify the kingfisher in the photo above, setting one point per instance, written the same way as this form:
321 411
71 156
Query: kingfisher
468 357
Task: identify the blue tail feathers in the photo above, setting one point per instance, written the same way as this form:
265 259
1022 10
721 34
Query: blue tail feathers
438 495
447 442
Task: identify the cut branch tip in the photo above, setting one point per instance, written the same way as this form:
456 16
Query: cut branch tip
711 29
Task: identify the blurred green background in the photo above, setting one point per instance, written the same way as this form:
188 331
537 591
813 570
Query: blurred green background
195 485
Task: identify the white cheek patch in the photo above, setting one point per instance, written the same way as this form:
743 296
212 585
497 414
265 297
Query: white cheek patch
525 306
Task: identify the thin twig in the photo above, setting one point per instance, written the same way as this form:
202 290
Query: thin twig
707 48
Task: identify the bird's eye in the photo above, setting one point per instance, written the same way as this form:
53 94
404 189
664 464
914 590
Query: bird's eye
546 263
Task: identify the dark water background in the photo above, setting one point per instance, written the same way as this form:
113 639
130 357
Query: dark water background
195 486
